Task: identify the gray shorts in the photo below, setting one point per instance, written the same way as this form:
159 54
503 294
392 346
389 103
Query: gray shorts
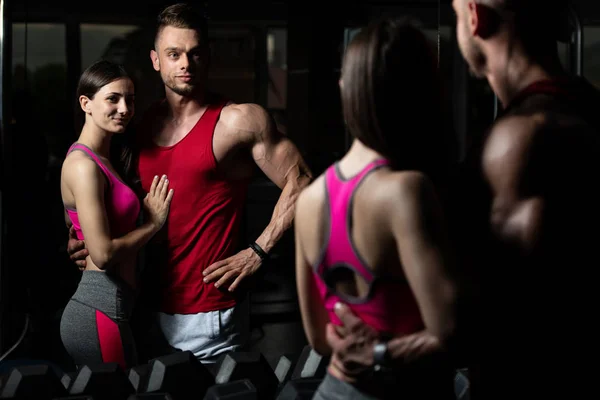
208 334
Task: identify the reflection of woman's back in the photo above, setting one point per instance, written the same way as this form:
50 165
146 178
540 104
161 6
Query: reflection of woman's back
369 230
383 299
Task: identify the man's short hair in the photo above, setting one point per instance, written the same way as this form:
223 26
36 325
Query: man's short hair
183 16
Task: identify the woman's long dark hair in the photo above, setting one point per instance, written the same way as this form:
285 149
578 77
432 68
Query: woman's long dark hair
97 75
392 95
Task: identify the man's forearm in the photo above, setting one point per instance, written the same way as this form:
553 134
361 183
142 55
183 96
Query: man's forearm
283 215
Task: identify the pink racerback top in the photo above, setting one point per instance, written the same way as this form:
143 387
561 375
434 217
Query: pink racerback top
390 306
122 204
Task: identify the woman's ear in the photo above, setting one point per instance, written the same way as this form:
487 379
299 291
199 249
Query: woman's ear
84 102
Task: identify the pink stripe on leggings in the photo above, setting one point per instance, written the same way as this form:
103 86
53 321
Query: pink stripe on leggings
111 345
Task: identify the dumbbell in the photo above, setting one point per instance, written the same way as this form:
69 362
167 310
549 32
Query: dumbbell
150 396
101 381
309 364
67 379
285 367
462 384
299 389
250 365
178 374
138 376
33 381
299 377
235 390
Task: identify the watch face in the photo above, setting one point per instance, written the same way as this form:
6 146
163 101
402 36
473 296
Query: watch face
380 353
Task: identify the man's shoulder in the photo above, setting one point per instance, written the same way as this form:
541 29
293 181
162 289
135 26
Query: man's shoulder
248 111
518 128
244 118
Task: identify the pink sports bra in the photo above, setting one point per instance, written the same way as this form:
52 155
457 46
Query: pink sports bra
122 204
390 306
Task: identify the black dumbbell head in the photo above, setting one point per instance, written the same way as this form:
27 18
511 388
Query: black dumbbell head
33 381
102 381
248 365
179 374
236 390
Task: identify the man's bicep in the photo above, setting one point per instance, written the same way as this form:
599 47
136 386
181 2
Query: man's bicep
279 158
520 223
508 164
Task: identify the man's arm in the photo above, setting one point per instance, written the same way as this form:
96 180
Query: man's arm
282 163
508 161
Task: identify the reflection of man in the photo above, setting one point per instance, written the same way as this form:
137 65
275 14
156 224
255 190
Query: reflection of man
208 147
538 210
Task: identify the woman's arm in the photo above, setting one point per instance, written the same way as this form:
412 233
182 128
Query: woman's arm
421 238
87 183
314 314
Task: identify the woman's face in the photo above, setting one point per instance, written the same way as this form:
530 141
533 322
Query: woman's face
112 107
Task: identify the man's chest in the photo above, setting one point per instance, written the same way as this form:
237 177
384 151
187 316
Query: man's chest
196 160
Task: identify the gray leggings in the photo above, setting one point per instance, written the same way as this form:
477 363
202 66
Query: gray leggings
94 327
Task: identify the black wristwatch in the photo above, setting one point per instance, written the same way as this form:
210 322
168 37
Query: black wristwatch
258 250
380 357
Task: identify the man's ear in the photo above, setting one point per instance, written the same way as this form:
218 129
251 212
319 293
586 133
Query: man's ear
483 20
155 60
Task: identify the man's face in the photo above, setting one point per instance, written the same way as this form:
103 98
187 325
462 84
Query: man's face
470 49
181 59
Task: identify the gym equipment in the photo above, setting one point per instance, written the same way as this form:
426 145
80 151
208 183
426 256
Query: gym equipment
310 364
67 379
241 389
150 396
248 365
138 376
284 368
33 381
299 389
178 374
462 384
102 381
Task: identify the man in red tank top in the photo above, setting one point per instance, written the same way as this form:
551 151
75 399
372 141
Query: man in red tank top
208 147
529 212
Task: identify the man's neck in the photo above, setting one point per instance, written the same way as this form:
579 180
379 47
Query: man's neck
181 107
509 74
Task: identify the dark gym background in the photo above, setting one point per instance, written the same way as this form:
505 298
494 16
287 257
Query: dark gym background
283 55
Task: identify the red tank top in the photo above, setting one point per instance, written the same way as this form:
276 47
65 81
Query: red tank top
390 306
204 218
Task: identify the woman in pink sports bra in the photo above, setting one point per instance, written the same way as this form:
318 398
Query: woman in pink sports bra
104 211
370 232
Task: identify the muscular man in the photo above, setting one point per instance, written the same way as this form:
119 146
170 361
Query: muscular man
533 245
208 147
